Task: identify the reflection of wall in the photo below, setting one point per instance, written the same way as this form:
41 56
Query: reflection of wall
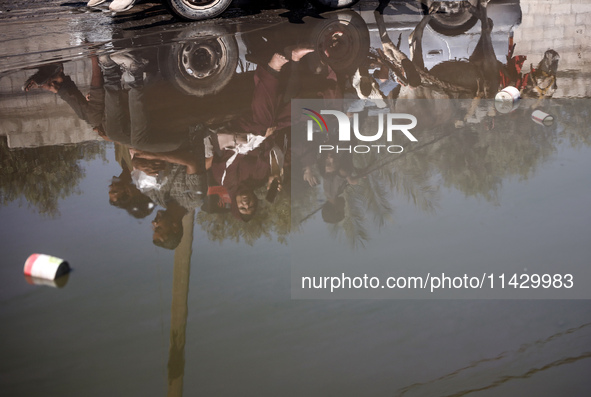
42 118
564 26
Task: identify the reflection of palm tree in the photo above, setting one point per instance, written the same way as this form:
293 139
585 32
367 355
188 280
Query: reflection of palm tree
44 175
411 177
376 196
353 224
476 161
573 124
305 203
413 180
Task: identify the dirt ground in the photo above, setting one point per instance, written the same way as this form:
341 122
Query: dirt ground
39 31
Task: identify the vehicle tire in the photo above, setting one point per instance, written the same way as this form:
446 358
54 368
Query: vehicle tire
345 37
453 18
333 4
196 10
201 62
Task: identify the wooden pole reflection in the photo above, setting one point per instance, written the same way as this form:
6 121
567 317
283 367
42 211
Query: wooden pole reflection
179 310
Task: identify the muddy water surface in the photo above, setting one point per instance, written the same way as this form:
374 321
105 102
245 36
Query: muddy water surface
172 292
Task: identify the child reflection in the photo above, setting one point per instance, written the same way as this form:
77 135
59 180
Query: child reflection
176 182
252 151
122 191
337 172
141 186
167 226
125 195
241 168
249 153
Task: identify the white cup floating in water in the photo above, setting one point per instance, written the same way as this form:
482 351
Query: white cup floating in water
507 99
45 267
542 118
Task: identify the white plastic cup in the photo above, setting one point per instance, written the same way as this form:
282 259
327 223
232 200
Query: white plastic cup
45 267
542 118
507 99
508 93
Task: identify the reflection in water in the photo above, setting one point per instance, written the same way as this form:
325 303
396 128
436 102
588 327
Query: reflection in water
481 75
179 310
467 157
209 115
530 356
44 175
201 126
123 193
190 129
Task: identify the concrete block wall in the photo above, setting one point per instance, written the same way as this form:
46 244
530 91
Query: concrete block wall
39 118
42 118
564 26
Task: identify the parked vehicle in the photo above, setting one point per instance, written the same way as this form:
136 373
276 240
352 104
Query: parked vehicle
446 38
202 60
195 10
454 17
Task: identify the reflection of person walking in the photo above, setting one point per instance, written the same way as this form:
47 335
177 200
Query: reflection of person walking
89 108
127 117
269 111
116 5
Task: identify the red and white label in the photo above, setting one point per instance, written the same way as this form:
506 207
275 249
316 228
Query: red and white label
42 266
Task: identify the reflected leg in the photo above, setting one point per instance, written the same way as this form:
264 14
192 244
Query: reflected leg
116 118
143 135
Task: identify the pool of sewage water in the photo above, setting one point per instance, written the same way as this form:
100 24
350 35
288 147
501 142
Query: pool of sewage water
229 233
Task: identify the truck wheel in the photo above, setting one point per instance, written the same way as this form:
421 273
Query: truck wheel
453 17
342 41
333 4
201 62
195 10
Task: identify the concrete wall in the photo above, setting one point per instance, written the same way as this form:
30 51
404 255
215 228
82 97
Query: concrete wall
31 33
564 26
40 118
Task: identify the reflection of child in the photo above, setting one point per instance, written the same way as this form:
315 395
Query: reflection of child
337 172
243 161
217 200
269 108
243 168
168 227
173 180
124 194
